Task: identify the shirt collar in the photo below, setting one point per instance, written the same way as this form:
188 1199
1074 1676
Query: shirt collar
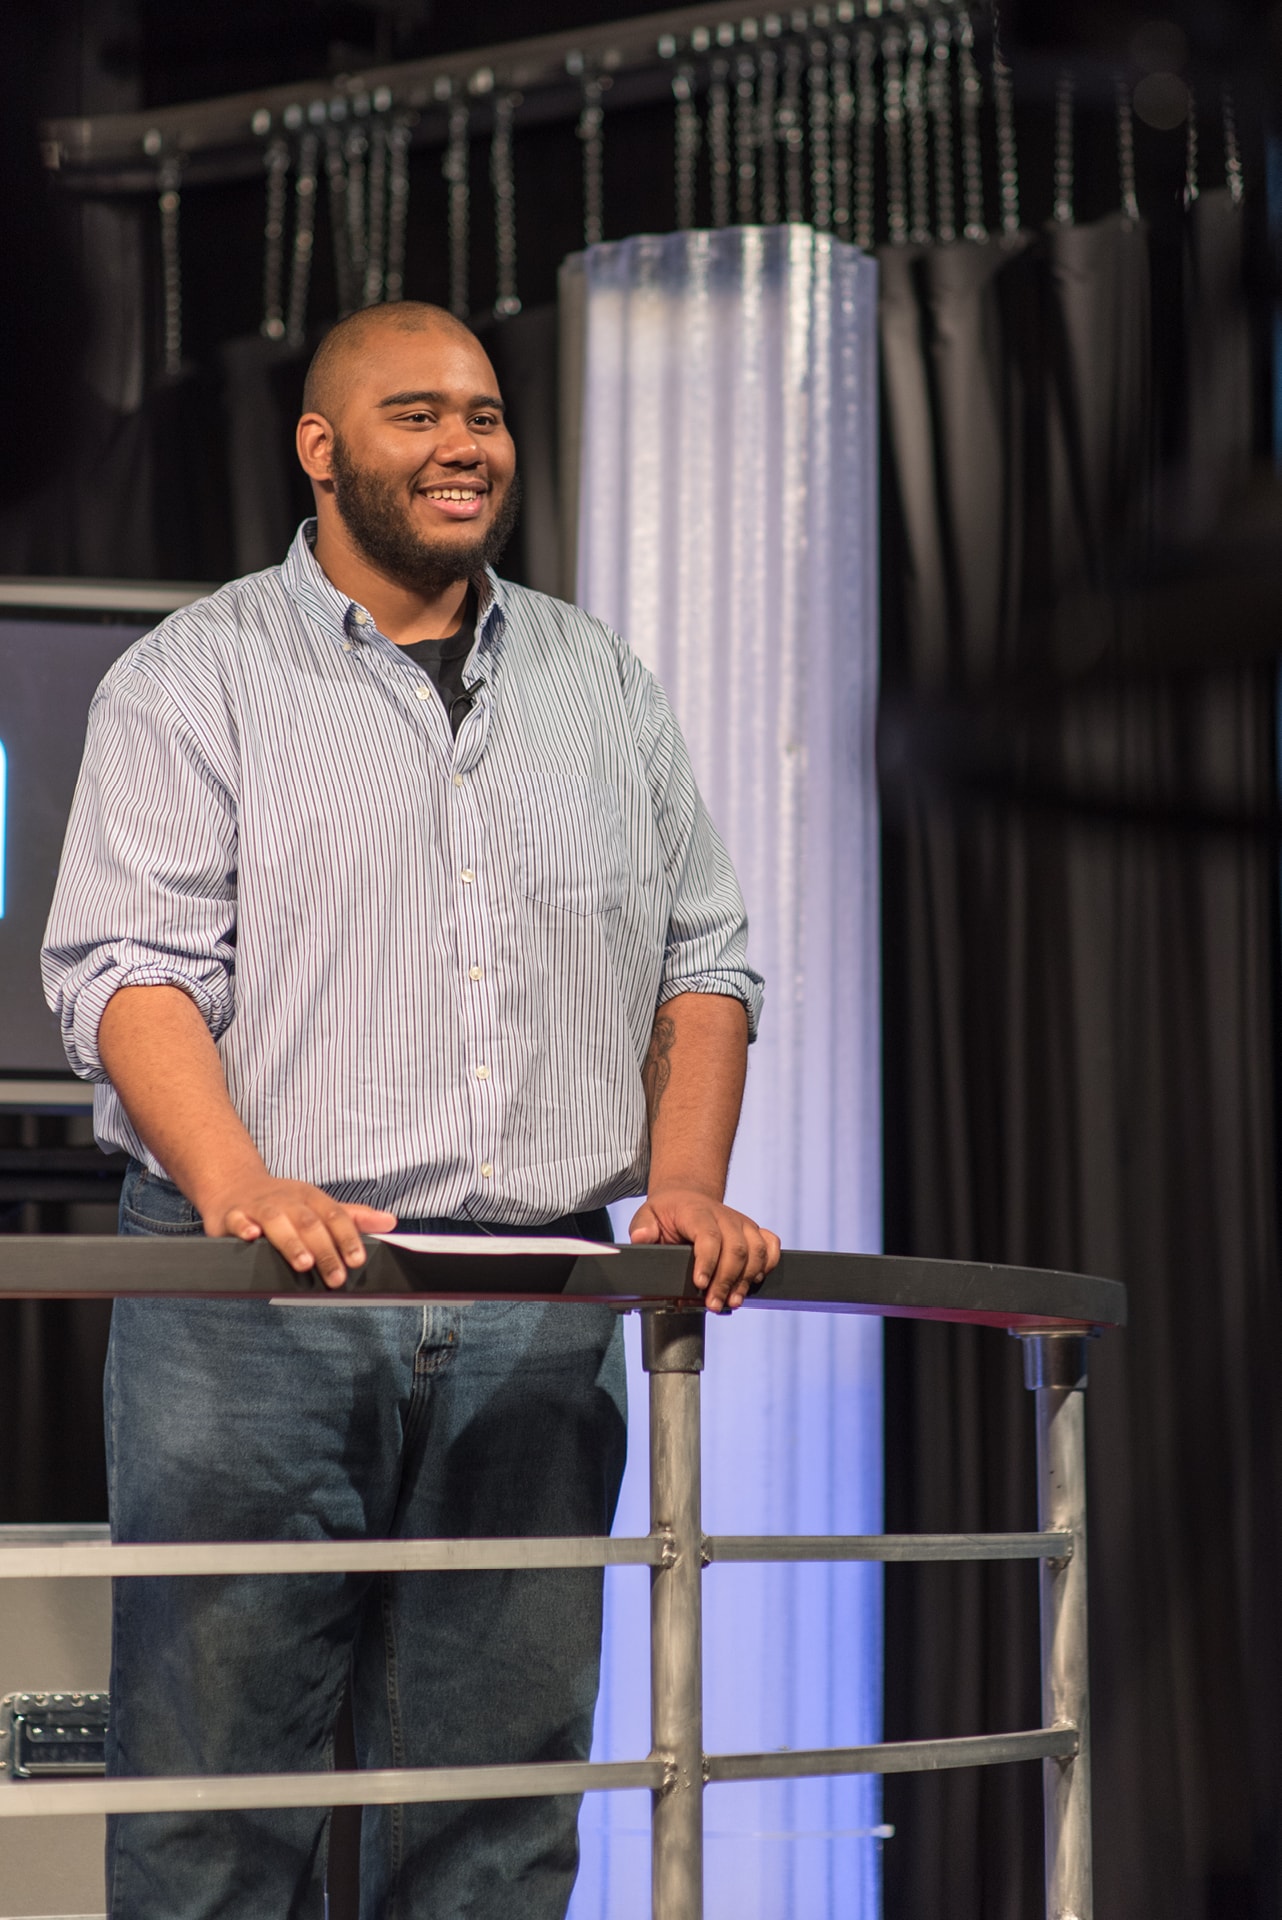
310 586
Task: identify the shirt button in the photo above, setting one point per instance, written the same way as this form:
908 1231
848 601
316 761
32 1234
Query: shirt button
458 779
359 617
482 1073
422 693
474 973
467 876
347 646
487 1171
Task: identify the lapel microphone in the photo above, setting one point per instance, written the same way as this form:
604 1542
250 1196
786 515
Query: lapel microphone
466 699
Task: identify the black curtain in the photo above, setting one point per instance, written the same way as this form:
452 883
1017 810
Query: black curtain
1081 888
53 1467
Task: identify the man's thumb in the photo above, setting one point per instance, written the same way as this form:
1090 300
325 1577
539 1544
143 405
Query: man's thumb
644 1229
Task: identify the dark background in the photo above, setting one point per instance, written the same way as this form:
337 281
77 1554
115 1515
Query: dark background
1081 1032
48 672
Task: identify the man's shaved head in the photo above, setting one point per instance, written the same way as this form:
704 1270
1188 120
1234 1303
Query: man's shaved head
323 390
405 441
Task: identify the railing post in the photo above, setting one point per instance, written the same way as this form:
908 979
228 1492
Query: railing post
1055 1370
672 1354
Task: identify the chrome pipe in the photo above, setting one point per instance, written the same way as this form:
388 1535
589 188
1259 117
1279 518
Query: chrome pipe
1055 1368
747 1548
896 1756
196 1558
364 1787
672 1354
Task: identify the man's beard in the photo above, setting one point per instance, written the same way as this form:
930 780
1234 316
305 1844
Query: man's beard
376 515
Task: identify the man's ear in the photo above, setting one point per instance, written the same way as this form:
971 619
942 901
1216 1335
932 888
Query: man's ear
314 439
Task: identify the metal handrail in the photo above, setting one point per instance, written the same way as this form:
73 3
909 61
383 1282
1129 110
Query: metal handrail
1051 1313
115 1561
635 57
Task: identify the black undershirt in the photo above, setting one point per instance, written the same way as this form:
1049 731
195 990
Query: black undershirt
442 661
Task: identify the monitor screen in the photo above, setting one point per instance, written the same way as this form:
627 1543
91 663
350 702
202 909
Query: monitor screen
49 668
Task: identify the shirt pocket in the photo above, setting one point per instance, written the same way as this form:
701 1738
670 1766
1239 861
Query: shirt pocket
570 845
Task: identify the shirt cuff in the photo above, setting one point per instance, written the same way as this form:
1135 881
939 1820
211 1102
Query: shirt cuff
743 987
212 995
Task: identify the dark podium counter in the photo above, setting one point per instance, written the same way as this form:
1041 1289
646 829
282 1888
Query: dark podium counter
94 1267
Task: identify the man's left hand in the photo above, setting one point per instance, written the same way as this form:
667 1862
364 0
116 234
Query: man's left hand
731 1252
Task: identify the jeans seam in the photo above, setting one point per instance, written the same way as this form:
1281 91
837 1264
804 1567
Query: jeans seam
162 1229
113 1869
327 1824
113 1852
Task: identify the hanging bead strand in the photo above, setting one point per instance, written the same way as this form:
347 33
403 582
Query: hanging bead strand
892 86
790 136
376 216
918 134
1192 188
171 261
503 180
745 139
457 174
719 141
866 140
820 137
1126 149
939 93
687 146
355 152
591 132
767 144
300 266
336 179
276 162
1007 157
843 114
1234 177
972 99
398 205
1063 204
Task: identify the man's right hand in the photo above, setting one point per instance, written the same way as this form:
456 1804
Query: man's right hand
163 1063
308 1227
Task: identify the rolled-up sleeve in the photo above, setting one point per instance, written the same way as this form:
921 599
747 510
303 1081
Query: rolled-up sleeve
147 885
707 943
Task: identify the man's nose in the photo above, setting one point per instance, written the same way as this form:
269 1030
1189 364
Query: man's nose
458 444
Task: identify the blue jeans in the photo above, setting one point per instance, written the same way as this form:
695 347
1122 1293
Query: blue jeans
240 1420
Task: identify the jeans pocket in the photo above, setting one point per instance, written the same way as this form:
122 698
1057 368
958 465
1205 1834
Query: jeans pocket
150 1204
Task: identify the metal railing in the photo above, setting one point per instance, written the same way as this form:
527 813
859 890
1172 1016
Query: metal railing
1052 1314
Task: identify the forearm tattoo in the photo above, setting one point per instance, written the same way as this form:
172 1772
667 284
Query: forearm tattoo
657 1071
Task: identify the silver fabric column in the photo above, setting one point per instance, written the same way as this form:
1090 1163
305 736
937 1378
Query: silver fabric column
720 389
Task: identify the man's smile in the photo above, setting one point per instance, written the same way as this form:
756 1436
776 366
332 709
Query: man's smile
456 502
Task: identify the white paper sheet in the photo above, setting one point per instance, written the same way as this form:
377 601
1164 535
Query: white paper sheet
489 1244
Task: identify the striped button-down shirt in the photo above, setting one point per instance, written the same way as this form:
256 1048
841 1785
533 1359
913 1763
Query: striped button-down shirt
431 965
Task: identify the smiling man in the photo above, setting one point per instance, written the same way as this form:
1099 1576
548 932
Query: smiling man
387 895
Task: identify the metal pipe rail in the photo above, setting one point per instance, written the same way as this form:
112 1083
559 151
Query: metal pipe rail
1052 1314
223 138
